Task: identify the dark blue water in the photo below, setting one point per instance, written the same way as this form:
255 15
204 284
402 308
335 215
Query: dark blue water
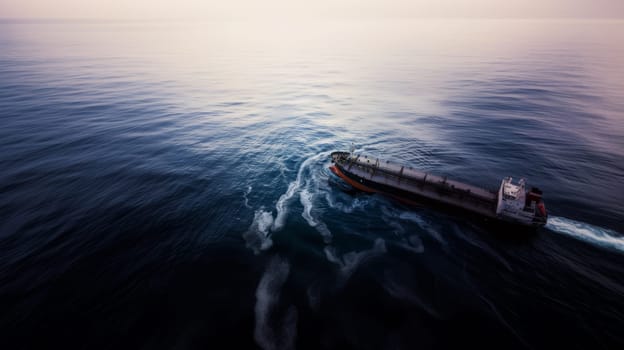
166 185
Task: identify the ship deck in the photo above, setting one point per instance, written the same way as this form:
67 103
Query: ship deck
430 186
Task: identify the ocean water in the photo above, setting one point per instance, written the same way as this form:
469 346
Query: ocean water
165 185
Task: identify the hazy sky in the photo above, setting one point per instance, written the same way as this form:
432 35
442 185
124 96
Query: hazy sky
258 9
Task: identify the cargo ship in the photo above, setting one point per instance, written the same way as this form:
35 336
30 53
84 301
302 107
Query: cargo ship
512 203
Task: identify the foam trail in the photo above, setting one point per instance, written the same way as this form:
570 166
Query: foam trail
267 299
350 261
306 201
282 210
586 232
412 242
415 244
257 236
281 206
413 217
245 194
398 229
353 205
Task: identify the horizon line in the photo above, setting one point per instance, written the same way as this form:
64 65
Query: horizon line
298 18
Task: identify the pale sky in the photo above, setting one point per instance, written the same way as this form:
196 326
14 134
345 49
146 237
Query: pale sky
268 9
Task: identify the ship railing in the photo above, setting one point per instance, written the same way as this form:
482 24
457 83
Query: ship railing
423 183
406 175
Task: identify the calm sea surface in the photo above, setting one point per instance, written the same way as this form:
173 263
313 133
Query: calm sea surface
166 185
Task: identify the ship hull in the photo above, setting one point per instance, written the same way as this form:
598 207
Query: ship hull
478 205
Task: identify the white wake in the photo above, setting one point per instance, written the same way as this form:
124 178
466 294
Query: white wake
293 187
258 236
245 194
267 301
586 232
307 200
350 261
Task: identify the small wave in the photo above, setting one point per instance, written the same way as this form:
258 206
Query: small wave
502 319
399 291
257 236
475 241
267 299
586 232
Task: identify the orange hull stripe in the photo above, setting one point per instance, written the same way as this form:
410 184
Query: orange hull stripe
355 184
361 187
